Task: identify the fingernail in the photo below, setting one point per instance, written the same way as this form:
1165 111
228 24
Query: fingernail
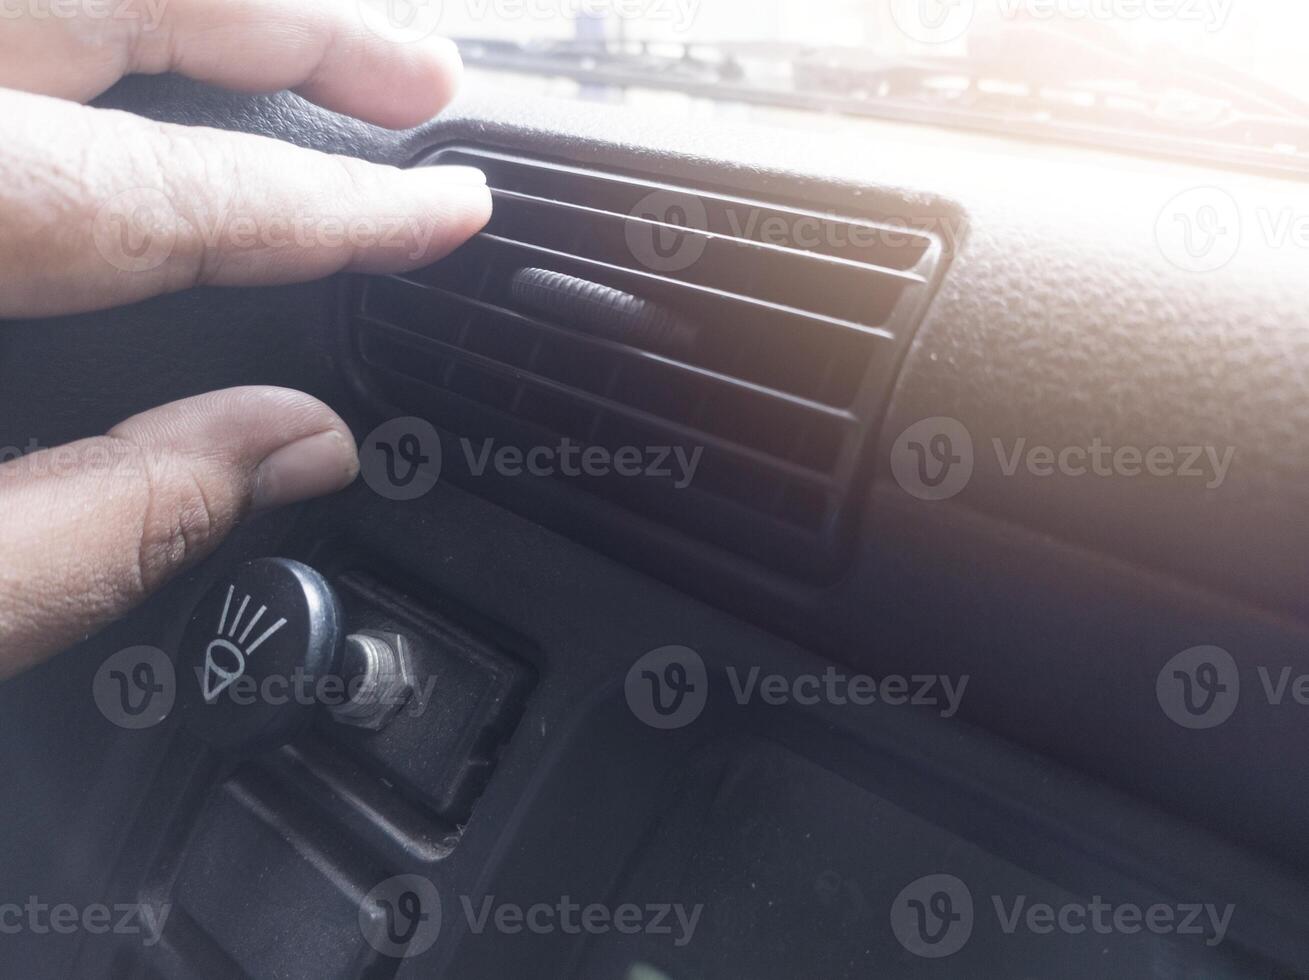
314 466
454 175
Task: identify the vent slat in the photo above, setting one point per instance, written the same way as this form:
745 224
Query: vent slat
768 359
757 342
893 244
846 291
681 433
818 259
642 281
732 521
623 352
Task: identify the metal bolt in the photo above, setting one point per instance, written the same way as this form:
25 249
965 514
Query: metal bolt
381 666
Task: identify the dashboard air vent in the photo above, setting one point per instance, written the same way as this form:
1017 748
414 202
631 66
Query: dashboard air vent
724 360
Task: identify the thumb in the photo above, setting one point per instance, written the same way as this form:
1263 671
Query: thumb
93 527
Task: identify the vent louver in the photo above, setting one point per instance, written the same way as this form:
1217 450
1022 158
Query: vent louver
614 311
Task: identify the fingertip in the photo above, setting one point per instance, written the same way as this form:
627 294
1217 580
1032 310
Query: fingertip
307 468
456 193
462 211
439 72
454 175
444 211
400 86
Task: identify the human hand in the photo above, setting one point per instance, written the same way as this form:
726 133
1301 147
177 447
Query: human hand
101 208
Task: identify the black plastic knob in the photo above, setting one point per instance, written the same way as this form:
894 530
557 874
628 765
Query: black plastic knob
261 651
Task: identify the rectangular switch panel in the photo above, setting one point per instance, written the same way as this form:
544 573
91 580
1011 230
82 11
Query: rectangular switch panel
442 746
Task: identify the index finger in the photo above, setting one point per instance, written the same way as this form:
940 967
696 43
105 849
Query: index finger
377 60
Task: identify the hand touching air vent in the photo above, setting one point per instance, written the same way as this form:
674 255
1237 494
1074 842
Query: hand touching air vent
607 310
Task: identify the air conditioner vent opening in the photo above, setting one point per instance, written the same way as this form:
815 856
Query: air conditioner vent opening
766 359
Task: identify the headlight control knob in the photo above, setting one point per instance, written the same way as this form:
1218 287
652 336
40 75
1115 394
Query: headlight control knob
267 647
257 652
